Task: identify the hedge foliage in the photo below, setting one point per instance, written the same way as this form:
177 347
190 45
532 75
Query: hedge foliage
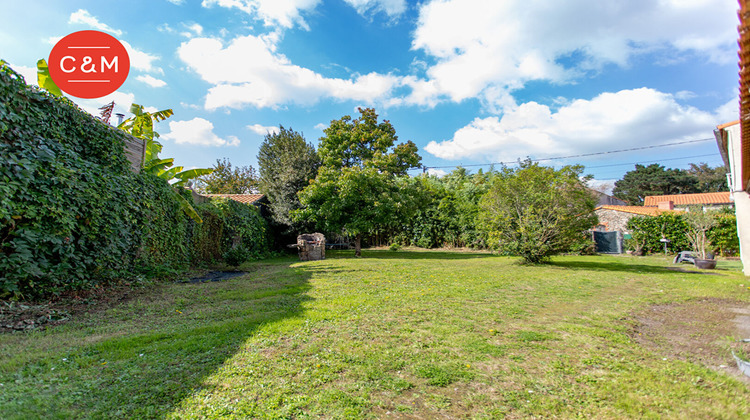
647 232
72 213
446 210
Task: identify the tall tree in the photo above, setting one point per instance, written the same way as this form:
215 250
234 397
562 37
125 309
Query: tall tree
228 180
286 163
356 189
536 212
653 180
709 179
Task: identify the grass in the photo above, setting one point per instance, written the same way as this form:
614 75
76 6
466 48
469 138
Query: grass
421 334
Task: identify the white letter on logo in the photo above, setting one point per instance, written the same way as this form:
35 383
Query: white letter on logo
62 67
109 65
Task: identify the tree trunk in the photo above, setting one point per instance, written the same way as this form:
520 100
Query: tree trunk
358 245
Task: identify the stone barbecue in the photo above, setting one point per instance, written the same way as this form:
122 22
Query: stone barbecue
311 246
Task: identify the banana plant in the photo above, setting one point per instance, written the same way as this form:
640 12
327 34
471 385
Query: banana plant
141 125
44 80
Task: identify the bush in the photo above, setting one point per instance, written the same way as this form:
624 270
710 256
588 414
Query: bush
723 236
395 247
536 212
236 256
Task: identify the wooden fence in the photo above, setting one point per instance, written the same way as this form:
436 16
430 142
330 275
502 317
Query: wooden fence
135 150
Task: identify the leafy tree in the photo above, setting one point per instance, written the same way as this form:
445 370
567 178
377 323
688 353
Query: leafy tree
699 222
227 180
536 211
709 179
653 180
286 163
357 189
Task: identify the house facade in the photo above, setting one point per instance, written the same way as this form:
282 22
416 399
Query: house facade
735 151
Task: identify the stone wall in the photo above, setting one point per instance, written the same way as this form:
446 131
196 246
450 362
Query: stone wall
613 220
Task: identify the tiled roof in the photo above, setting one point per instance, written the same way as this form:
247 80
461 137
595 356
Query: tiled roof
643 211
242 198
688 199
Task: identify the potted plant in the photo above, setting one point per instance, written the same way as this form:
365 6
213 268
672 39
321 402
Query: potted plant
699 222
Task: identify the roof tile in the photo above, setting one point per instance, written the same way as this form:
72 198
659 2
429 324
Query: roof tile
688 199
241 198
643 211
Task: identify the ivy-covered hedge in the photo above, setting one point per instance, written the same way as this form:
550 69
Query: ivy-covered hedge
227 225
72 213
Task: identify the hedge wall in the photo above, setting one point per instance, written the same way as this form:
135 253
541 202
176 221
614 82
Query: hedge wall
72 213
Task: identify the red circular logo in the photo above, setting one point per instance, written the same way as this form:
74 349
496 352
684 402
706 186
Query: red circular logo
89 64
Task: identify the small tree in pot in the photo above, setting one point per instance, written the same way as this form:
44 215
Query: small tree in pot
699 223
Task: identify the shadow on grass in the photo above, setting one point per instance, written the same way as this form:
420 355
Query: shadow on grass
158 360
409 254
622 267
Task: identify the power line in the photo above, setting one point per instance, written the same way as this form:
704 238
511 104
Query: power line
651 161
424 168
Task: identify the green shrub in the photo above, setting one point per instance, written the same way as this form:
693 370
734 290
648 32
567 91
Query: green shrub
395 247
723 236
228 225
647 231
236 256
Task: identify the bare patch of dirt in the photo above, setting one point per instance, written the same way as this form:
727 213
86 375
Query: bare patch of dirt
699 331
25 316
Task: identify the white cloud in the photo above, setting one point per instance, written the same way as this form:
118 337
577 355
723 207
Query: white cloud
684 95
392 8
197 131
262 130
28 73
249 71
480 45
85 18
728 112
321 126
176 2
634 118
164 27
53 40
141 60
151 81
437 172
189 106
284 13
193 29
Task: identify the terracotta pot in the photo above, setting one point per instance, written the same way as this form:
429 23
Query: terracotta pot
705 264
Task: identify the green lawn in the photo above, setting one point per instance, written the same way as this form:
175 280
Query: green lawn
395 334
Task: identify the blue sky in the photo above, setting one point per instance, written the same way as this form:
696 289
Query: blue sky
469 81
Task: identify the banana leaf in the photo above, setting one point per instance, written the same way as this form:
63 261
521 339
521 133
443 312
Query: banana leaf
44 80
